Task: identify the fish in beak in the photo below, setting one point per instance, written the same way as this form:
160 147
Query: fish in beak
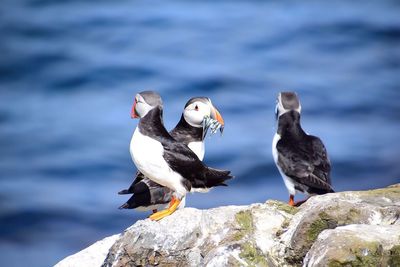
213 122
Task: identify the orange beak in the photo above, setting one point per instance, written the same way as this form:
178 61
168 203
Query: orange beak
134 114
218 117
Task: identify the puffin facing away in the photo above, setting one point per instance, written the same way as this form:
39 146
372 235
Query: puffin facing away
301 159
198 115
164 160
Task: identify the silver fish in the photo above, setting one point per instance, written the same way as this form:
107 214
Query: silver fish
213 125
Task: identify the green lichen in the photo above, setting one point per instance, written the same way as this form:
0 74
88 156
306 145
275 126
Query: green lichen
335 263
324 221
234 262
389 192
283 207
369 254
351 216
353 213
394 256
252 255
285 224
238 236
283 228
245 222
315 229
371 260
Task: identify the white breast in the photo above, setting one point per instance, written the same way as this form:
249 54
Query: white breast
288 182
147 154
277 137
198 149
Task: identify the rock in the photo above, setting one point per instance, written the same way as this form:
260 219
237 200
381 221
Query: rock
356 245
226 236
92 256
374 207
362 227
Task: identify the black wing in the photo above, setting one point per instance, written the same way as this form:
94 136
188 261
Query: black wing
147 193
306 163
184 161
139 177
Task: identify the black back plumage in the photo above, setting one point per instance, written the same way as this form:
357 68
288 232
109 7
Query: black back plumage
186 133
179 156
302 157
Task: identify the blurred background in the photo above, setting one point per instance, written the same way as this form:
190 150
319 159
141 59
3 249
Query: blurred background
69 71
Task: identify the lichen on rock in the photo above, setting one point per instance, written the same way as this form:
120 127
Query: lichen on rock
245 221
356 245
377 207
283 206
252 255
359 228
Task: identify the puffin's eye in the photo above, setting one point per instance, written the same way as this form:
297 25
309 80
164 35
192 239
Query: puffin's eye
196 108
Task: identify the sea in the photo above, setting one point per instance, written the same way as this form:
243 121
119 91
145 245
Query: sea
69 72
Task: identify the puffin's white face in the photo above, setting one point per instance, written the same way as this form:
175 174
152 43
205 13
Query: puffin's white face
287 101
198 110
144 102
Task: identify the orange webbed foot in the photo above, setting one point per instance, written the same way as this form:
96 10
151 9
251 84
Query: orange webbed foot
173 205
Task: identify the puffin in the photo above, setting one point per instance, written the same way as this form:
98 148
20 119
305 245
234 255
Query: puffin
301 159
164 160
198 116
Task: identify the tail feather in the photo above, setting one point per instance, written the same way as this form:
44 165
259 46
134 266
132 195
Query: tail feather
130 204
141 196
213 177
125 192
132 188
146 195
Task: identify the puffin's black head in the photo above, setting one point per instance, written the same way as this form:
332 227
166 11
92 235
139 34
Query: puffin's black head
144 102
199 110
286 102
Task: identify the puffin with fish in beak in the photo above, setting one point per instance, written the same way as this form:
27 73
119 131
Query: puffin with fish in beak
164 160
198 116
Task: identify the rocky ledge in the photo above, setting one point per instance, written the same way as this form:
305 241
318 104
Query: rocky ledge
359 228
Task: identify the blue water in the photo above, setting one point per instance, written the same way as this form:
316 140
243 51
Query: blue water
69 71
